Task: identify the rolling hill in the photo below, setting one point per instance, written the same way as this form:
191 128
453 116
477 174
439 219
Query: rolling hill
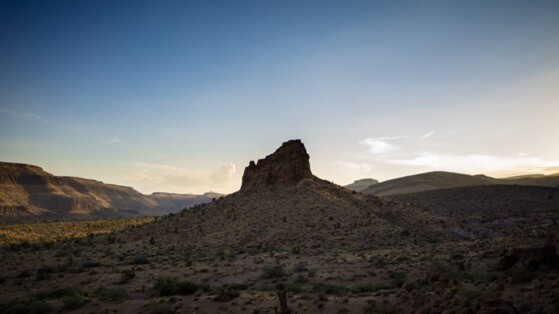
362 184
442 180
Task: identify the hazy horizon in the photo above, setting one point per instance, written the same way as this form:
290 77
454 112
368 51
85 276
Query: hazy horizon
180 96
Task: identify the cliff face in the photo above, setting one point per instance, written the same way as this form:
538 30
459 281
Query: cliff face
288 165
28 192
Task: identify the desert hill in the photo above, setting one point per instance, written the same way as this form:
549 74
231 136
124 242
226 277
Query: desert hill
427 181
442 180
28 192
282 204
361 184
543 180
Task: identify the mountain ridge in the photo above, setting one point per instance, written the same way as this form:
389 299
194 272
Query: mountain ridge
442 179
27 192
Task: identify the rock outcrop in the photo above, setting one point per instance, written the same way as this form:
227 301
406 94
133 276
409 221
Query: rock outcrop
288 165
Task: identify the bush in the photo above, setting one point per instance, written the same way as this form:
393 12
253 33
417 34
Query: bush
24 274
398 279
369 287
290 287
327 288
74 302
127 276
113 294
91 264
275 271
227 293
519 273
166 286
157 308
30 307
44 273
61 293
140 260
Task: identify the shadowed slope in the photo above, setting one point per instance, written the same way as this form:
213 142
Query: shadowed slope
283 205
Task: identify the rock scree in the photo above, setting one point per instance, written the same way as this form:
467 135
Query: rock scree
288 165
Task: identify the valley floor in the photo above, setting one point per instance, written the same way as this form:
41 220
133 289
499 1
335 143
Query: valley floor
107 273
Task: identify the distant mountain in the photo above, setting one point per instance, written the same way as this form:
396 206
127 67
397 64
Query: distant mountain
362 184
427 181
180 201
28 192
547 180
442 180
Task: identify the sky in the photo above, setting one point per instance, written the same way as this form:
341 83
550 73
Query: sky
179 96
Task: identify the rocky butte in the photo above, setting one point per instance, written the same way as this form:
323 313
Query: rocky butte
288 165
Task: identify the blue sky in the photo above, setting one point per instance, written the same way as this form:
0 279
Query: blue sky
180 95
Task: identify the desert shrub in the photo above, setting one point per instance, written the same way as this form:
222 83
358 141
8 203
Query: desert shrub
457 256
380 262
44 273
140 260
166 286
113 294
274 271
91 264
24 274
311 273
371 308
293 287
127 276
74 302
28 307
474 277
227 293
157 308
397 279
369 287
519 273
326 288
70 294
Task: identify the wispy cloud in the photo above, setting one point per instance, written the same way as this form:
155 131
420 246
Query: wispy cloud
428 134
382 145
23 115
114 140
378 146
471 163
36 118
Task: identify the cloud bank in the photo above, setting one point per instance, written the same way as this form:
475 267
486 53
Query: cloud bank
150 177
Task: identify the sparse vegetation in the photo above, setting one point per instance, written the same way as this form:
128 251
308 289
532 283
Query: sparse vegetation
229 292
24 235
112 294
140 260
274 271
327 288
167 286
